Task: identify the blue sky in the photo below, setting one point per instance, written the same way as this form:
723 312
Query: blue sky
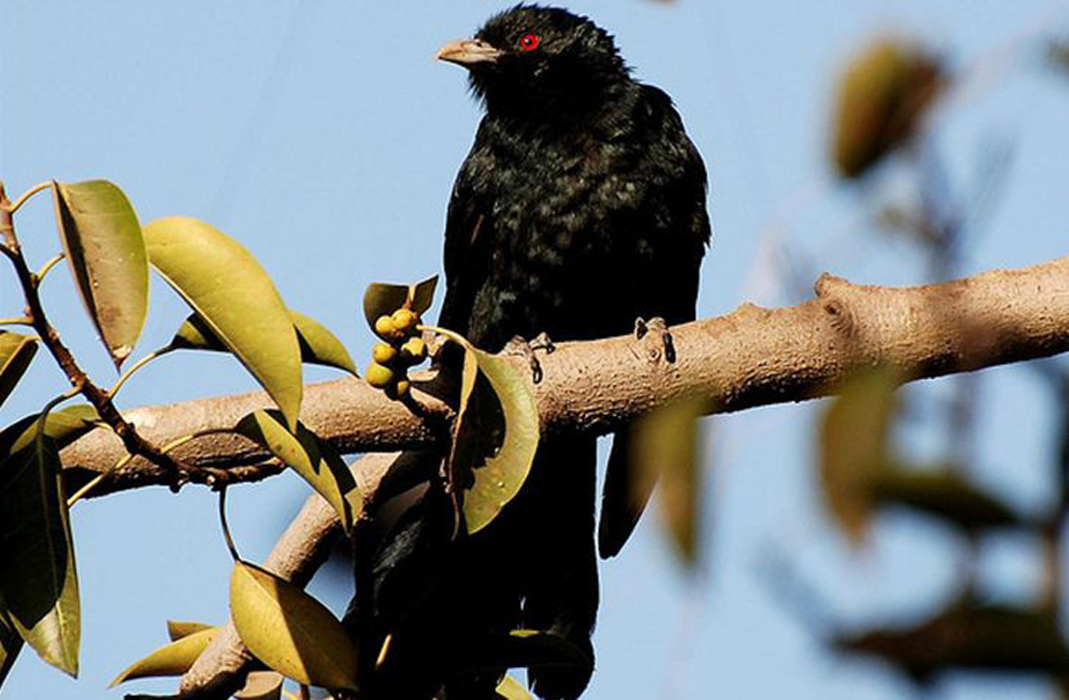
324 137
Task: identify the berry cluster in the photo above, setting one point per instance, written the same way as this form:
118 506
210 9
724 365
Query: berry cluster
402 349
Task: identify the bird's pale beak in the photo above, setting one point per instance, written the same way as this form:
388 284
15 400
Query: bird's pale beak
468 52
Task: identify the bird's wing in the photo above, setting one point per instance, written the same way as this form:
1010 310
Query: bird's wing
626 492
468 230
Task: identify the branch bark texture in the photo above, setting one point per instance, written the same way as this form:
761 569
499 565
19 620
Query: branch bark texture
750 357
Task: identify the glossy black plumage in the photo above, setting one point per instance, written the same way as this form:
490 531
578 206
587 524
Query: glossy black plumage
580 207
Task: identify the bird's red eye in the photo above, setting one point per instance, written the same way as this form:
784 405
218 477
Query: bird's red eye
529 42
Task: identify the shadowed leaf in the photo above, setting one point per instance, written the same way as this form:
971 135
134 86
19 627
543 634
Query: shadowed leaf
16 352
521 648
235 298
423 294
62 427
315 460
535 649
944 493
853 448
495 436
318 345
10 645
176 629
106 252
173 659
38 583
382 299
289 630
968 635
261 685
665 444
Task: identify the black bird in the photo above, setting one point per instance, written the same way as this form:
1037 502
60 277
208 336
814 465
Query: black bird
580 208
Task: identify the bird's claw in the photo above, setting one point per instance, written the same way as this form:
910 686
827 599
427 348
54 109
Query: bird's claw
526 349
659 328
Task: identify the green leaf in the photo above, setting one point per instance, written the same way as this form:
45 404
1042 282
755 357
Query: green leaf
318 345
945 493
853 448
233 295
16 352
176 629
422 294
665 443
62 427
495 436
383 299
289 630
315 460
106 252
38 583
194 334
511 689
172 659
261 685
10 645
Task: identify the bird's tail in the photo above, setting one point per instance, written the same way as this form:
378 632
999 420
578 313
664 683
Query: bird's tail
623 498
562 593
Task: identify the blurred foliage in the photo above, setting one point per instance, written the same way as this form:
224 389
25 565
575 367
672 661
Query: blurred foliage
972 636
882 96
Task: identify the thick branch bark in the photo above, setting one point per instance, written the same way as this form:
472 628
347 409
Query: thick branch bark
751 357
304 546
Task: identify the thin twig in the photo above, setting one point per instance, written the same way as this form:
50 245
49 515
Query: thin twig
226 526
136 366
52 262
25 197
79 380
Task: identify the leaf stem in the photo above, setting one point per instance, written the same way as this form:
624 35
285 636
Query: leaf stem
178 442
92 483
136 366
451 335
226 527
79 380
16 321
12 208
42 417
40 274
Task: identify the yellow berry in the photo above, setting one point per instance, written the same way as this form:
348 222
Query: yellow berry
383 353
397 390
414 351
385 327
378 376
405 319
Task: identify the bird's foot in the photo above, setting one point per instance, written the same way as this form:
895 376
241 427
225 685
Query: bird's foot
526 349
662 338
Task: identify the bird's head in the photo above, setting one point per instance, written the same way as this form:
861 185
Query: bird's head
539 60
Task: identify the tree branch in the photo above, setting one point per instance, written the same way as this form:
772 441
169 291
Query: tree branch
750 357
220 670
